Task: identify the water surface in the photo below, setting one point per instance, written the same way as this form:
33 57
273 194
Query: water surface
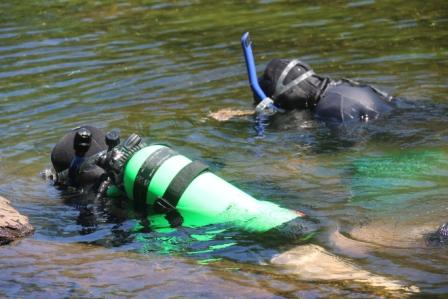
157 68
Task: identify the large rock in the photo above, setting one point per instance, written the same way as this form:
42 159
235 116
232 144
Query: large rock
13 225
313 263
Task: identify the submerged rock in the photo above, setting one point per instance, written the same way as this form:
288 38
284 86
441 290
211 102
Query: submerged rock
312 262
393 233
13 225
227 113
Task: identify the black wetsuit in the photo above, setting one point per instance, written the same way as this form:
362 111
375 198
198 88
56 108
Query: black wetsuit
344 101
293 85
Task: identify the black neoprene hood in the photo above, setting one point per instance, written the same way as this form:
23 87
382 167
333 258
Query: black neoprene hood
63 152
303 95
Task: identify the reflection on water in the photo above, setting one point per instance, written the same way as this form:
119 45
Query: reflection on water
78 270
158 68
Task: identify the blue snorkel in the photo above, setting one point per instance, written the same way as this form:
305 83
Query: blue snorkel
266 105
250 65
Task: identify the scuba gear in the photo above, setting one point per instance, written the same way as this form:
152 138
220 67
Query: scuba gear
160 183
265 104
159 179
250 65
70 155
280 88
81 144
112 139
292 84
63 152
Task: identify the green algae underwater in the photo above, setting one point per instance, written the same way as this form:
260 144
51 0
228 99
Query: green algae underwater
158 68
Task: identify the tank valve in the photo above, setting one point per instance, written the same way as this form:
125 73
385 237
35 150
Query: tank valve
112 139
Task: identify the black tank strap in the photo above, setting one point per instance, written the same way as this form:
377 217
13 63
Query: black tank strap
146 172
181 181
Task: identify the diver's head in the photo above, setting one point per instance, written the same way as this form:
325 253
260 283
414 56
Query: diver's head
85 141
292 84
63 152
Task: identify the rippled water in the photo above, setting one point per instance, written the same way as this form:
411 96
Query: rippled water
158 69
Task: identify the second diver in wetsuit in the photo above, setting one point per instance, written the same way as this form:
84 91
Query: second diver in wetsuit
292 84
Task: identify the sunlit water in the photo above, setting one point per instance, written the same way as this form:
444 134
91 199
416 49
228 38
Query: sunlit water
157 69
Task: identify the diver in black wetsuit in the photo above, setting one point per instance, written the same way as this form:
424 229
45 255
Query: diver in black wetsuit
292 84
69 174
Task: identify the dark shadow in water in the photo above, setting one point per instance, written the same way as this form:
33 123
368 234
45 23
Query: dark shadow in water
95 216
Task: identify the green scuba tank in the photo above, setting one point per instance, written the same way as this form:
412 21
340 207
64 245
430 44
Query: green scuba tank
155 175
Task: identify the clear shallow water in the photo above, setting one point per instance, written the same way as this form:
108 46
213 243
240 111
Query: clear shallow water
157 69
